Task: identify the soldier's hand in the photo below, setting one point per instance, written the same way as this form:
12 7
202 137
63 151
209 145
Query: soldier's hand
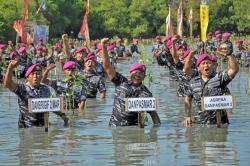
187 121
51 66
13 64
104 41
194 52
64 37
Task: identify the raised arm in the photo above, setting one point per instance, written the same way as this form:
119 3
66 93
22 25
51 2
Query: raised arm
188 63
45 80
66 45
173 52
105 60
233 66
8 82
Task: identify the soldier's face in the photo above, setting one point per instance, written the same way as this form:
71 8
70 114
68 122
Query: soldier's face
80 57
89 65
69 72
35 78
206 68
137 77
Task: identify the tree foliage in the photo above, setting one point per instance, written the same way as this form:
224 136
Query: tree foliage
145 18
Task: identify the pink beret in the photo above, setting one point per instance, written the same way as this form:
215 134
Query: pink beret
167 38
213 58
181 46
80 50
177 36
119 40
39 48
35 67
91 54
13 54
202 58
210 34
69 65
44 49
218 35
21 50
217 32
87 58
135 40
226 34
169 44
57 46
137 66
186 53
239 41
158 38
110 47
22 45
2 46
99 48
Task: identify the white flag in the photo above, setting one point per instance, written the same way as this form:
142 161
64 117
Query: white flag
169 27
179 19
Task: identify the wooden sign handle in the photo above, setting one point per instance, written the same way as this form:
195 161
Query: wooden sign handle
46 121
141 122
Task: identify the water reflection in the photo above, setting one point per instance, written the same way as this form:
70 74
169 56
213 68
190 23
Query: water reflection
210 145
135 146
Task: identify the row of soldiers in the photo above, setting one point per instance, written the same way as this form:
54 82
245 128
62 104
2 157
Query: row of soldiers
196 71
85 70
82 68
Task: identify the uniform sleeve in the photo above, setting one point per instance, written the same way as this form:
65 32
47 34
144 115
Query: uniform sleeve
102 86
53 84
189 91
20 91
224 78
118 79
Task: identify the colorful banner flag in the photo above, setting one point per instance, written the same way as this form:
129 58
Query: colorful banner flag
41 31
84 32
24 19
190 16
18 27
42 6
169 26
190 21
180 19
204 18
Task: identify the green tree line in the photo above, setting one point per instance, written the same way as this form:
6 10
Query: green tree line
144 18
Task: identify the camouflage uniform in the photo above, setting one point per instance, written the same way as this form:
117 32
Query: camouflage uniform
215 86
68 88
120 50
24 92
166 59
125 89
92 83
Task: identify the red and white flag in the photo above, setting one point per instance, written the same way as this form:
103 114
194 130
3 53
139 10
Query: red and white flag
190 16
169 26
180 19
18 27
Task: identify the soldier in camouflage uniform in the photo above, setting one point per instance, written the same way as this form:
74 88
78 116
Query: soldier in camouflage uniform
126 88
239 50
208 83
92 83
31 89
70 88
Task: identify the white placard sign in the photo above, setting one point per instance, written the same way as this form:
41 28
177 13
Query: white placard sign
141 104
37 105
218 102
